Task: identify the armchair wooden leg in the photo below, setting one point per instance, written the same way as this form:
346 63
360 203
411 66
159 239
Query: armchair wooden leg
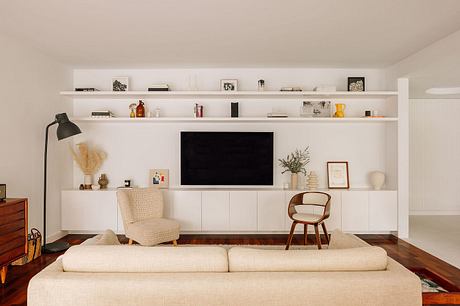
174 242
318 237
291 233
130 241
305 232
325 232
3 272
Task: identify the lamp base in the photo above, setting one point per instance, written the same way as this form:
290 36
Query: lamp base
54 247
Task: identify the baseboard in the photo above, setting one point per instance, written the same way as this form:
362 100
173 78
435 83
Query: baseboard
434 213
55 236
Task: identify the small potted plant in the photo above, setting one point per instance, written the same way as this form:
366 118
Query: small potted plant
295 163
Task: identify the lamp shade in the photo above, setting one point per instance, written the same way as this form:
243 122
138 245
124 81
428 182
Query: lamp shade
66 128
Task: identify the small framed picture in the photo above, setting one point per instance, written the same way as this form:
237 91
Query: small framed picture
159 178
337 175
229 85
320 109
120 84
356 84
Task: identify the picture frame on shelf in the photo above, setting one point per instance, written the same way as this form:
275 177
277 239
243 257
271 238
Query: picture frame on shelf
316 109
159 178
229 85
120 84
338 175
356 84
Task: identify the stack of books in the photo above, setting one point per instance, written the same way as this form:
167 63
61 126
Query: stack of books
86 89
159 87
291 89
102 114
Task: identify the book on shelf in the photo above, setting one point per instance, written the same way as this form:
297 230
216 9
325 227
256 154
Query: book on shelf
291 89
159 87
277 115
86 89
102 114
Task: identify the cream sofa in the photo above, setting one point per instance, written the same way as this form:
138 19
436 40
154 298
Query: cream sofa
349 272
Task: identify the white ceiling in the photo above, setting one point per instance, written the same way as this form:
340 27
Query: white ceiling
230 33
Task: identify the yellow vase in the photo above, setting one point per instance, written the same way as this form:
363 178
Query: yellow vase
339 110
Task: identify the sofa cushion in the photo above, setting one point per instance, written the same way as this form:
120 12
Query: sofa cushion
356 259
107 238
341 240
128 258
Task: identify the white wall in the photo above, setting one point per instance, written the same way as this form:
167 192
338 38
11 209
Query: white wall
435 156
133 149
29 99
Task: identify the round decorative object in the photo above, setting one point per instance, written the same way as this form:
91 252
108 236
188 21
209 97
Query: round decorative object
312 181
103 181
377 179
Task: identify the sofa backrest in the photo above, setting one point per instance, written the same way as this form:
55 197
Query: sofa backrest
247 259
128 258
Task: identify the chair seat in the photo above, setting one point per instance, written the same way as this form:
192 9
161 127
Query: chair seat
312 218
153 231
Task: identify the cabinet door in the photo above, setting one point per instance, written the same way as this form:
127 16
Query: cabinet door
383 210
215 212
243 210
271 211
355 211
186 209
89 210
335 219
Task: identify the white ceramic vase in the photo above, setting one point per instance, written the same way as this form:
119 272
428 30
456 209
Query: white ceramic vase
88 181
377 179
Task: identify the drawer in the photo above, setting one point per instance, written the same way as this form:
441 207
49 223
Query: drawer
5 229
11 218
15 243
11 209
12 255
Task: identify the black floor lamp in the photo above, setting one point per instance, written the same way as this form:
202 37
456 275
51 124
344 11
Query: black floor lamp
64 130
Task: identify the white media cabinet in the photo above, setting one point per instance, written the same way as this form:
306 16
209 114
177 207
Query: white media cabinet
235 211
135 145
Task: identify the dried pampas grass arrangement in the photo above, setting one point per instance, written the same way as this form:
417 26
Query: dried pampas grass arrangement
89 160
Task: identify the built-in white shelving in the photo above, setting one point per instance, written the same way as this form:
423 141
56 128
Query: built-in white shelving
229 94
236 120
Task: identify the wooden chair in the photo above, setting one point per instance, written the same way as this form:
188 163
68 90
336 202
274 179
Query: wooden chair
318 199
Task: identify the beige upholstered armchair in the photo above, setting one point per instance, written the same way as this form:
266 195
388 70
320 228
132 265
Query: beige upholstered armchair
142 213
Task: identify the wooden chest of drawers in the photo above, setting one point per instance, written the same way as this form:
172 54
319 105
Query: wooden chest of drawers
13 232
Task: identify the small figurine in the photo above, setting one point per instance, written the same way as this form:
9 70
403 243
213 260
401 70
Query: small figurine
132 107
103 181
312 181
261 85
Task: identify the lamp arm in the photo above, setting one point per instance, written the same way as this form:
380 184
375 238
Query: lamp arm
44 180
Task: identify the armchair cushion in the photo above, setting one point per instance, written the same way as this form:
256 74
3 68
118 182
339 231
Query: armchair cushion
307 217
153 231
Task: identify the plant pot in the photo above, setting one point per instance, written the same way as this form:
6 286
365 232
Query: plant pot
294 180
87 181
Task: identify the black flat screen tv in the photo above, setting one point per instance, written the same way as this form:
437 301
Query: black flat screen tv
227 158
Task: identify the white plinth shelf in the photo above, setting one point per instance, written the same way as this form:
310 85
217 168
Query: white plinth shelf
227 94
236 120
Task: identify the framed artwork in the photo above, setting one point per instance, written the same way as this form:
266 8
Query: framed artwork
356 84
120 84
337 175
229 85
320 109
159 178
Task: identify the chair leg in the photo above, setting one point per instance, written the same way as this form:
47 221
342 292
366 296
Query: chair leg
325 232
291 233
175 242
318 238
3 272
130 241
305 232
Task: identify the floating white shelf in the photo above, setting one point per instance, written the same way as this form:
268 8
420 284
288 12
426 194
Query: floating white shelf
227 119
228 94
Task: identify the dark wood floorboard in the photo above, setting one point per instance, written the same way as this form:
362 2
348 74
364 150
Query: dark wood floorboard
14 292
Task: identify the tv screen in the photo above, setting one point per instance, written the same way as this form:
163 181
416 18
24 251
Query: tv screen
227 158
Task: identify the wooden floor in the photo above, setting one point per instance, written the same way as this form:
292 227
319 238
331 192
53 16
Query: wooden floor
14 292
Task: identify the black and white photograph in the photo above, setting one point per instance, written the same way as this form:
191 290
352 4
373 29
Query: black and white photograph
120 84
356 84
316 109
229 85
